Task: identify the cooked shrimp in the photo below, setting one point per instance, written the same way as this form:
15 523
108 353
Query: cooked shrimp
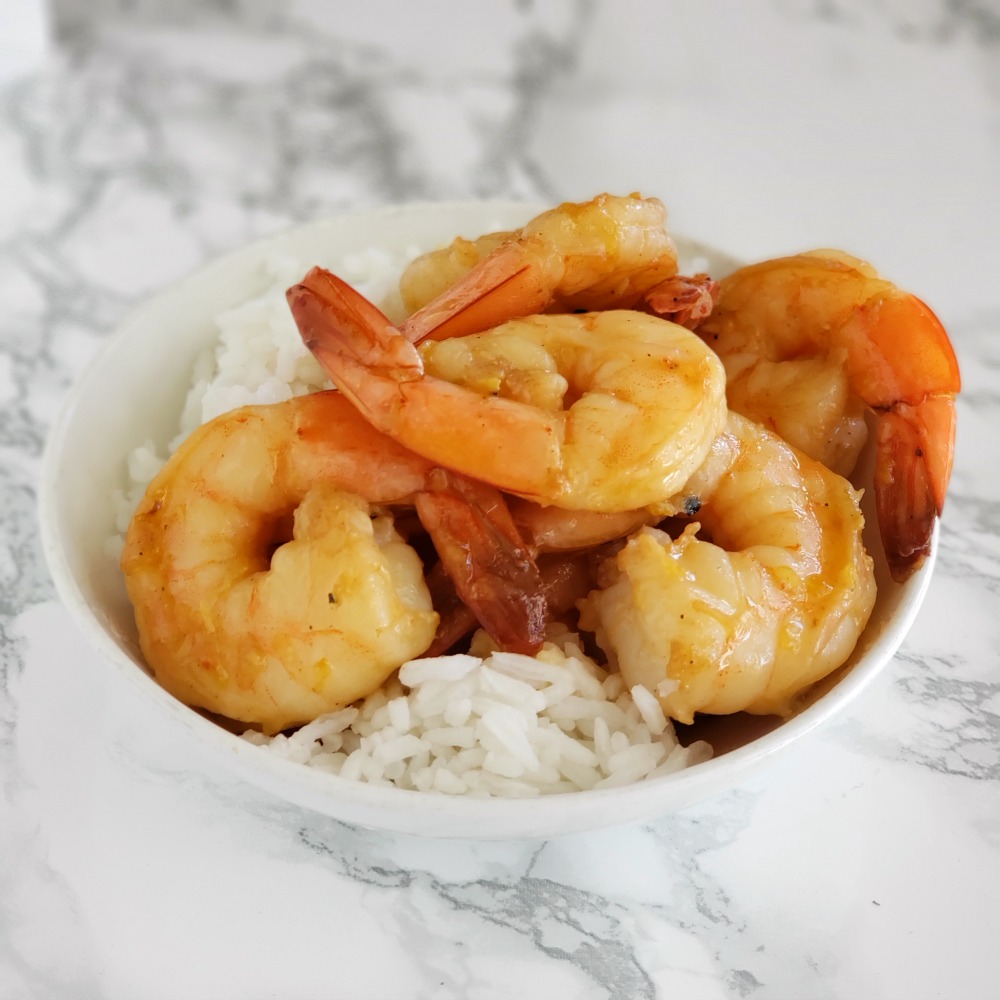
263 587
603 411
596 255
745 622
809 342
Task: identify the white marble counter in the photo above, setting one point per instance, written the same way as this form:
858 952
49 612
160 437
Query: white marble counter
867 863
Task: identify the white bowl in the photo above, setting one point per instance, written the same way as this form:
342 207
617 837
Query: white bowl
148 363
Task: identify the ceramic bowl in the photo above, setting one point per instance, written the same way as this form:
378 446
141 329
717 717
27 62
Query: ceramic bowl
148 361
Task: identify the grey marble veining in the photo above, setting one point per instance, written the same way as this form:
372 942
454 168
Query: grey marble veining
160 136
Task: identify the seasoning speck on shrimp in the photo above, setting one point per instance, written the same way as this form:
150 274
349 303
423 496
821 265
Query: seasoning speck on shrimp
264 588
608 411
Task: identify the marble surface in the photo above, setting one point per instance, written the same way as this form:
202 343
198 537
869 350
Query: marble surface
867 863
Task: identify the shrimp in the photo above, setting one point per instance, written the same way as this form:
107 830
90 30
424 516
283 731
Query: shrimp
264 588
811 342
748 621
596 255
604 412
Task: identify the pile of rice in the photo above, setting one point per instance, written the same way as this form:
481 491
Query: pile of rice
485 723
502 724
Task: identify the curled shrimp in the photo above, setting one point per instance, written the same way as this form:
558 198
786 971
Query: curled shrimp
601 412
809 343
266 589
745 622
596 255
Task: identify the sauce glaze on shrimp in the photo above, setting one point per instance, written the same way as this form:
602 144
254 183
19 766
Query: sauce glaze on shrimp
265 588
747 621
605 411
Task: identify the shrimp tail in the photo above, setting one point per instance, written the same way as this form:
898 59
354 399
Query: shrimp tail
905 368
686 301
914 450
352 339
483 553
509 283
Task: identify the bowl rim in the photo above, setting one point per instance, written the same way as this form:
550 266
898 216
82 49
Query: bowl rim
373 805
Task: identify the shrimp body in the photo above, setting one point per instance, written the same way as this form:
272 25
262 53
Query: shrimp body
604 412
747 621
264 587
810 343
596 255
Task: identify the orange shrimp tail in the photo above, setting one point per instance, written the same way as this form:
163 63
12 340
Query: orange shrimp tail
482 552
352 339
914 450
905 367
687 301
509 283
904 354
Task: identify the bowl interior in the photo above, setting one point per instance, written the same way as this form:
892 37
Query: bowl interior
146 365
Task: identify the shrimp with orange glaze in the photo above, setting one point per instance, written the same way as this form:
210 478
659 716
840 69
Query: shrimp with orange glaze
267 589
596 255
809 343
748 621
606 411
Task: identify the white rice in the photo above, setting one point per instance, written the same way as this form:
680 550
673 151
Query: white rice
496 724
258 357
486 723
